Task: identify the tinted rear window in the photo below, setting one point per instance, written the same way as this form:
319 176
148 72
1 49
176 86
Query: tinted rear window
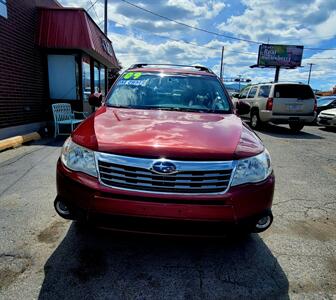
293 91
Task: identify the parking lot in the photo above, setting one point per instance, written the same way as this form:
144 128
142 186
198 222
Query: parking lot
43 256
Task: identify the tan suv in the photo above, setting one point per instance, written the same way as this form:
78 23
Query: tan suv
280 103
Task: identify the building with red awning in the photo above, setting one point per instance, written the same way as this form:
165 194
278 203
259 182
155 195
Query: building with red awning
49 54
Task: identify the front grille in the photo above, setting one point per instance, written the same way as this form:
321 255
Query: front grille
326 116
192 180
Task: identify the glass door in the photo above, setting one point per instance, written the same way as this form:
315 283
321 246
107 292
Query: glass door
86 74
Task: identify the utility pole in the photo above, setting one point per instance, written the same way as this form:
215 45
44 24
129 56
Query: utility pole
239 76
105 17
277 72
221 67
310 68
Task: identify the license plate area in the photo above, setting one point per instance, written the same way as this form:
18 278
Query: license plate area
294 107
294 119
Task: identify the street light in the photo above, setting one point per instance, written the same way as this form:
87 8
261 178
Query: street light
240 79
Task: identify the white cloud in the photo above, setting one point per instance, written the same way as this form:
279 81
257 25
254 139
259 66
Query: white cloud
204 10
311 21
307 22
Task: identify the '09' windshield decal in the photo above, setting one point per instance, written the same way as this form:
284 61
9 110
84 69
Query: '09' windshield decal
132 75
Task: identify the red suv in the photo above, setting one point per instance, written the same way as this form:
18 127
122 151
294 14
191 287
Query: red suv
166 153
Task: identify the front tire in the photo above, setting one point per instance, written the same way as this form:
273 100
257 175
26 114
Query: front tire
296 127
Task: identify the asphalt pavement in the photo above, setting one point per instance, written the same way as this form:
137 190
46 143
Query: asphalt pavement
45 257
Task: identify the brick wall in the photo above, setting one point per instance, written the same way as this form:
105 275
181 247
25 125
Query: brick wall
23 88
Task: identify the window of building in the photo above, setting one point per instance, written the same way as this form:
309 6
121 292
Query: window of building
62 71
102 80
96 78
3 8
86 79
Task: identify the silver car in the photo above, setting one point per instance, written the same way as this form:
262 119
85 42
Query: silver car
280 103
327 117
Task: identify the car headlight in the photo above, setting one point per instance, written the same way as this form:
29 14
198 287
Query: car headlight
78 158
252 169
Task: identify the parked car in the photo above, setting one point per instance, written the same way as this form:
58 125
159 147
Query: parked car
166 152
327 117
324 103
280 103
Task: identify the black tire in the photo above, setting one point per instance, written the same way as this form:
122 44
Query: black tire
296 127
255 122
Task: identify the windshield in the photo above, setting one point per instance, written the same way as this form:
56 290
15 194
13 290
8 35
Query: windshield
325 101
169 92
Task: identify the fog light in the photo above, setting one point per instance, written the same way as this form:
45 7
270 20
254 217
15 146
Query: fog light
264 222
62 208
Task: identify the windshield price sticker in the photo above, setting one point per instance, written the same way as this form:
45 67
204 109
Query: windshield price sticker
132 75
132 82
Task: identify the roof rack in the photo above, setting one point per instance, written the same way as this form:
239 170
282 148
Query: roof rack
280 81
201 68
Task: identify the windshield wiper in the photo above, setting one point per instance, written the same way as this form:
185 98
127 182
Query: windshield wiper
120 106
169 108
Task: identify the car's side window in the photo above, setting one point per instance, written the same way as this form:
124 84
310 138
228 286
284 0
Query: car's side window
264 91
252 92
244 93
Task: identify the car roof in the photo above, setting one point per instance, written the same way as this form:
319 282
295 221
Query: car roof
278 83
327 97
171 70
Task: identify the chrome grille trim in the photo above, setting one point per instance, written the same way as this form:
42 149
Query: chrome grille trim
192 177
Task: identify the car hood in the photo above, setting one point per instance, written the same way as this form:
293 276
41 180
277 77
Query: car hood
170 134
331 111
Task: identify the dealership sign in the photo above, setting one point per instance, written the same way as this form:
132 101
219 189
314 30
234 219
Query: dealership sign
107 46
286 56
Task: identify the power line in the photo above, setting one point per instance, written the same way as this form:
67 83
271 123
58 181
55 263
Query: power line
320 49
197 45
176 40
190 26
184 41
92 5
311 58
208 31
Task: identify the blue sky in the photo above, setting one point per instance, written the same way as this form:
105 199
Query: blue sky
138 36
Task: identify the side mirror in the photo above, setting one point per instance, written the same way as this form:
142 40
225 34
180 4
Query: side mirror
96 99
235 95
242 108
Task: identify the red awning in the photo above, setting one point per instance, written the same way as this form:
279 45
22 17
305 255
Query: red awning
73 28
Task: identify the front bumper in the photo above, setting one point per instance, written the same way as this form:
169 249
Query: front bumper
269 116
326 120
87 198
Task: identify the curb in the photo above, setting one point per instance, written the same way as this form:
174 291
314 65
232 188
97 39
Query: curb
17 141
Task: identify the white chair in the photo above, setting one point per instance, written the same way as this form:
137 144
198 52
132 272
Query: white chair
64 116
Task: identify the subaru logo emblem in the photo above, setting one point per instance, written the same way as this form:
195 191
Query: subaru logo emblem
163 167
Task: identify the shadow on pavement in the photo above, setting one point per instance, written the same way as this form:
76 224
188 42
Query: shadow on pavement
328 129
50 141
284 132
96 264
